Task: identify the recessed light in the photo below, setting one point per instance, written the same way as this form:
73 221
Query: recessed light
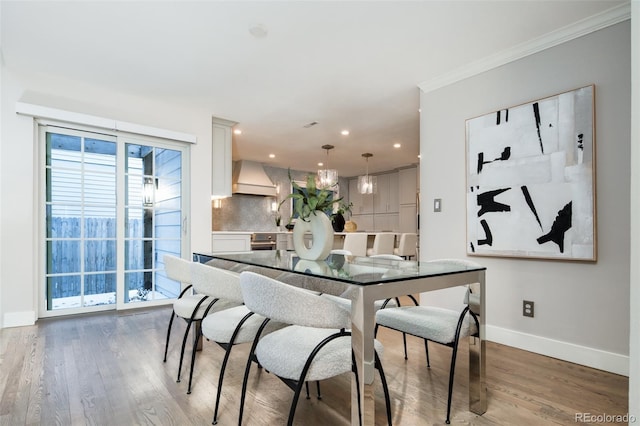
320 164
237 131
259 30
344 133
272 156
396 145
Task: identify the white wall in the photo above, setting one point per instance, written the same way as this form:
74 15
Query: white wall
582 309
18 228
634 350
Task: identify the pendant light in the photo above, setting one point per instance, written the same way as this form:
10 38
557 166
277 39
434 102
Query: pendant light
327 177
367 184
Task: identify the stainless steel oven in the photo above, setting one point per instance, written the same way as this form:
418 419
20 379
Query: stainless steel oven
263 241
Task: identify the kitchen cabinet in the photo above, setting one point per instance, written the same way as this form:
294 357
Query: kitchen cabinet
363 221
408 185
229 242
408 218
386 222
386 200
221 135
362 203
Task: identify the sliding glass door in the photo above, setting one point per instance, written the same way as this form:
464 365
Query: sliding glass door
113 206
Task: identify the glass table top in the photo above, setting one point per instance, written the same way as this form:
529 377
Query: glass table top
349 269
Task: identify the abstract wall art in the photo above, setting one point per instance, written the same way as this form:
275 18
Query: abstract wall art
531 179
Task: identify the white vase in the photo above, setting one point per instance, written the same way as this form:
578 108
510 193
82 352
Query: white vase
321 231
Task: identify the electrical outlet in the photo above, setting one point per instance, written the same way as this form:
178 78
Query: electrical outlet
527 308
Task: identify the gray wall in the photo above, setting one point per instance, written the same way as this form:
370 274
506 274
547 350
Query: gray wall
582 309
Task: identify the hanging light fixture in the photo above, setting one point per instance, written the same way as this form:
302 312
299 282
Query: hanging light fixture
367 184
327 177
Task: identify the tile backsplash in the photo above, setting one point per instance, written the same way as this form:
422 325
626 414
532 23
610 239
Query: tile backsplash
253 213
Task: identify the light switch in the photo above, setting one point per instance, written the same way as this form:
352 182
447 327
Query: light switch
437 205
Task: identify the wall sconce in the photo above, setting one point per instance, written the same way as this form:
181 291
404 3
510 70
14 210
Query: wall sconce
148 189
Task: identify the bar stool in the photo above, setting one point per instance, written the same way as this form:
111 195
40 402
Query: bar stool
382 244
356 243
407 246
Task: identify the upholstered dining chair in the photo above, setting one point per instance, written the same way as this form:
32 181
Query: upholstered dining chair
188 306
193 307
438 325
226 327
383 243
222 287
315 347
407 245
356 243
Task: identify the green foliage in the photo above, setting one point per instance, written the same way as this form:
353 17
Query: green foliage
343 208
309 200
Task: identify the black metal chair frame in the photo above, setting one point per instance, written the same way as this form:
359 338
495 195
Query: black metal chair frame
189 321
227 347
453 345
296 385
404 335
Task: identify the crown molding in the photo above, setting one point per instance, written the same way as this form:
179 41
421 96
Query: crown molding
580 28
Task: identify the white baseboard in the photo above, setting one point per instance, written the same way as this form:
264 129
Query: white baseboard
18 319
583 355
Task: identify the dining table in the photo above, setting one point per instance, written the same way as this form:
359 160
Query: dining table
369 279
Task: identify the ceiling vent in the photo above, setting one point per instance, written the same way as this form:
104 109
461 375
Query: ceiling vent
250 178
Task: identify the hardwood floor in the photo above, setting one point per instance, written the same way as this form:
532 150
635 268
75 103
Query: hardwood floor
107 369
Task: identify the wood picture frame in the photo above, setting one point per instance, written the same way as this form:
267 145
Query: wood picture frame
531 179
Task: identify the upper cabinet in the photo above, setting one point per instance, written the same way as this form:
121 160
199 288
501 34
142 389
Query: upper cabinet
221 136
385 200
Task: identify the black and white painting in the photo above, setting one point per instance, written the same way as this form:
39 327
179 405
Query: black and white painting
530 179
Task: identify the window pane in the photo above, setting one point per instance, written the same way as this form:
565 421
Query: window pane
100 222
64 186
99 188
63 256
99 289
57 143
134 254
168 164
100 255
60 224
63 292
134 185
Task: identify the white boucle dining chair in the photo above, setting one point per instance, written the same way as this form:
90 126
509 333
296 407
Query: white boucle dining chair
227 327
221 287
315 347
439 325
190 305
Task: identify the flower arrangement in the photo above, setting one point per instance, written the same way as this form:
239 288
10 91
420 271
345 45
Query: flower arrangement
309 200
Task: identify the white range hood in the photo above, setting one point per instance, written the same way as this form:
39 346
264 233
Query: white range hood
250 178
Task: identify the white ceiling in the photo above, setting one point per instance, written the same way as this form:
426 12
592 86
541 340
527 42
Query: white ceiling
352 65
